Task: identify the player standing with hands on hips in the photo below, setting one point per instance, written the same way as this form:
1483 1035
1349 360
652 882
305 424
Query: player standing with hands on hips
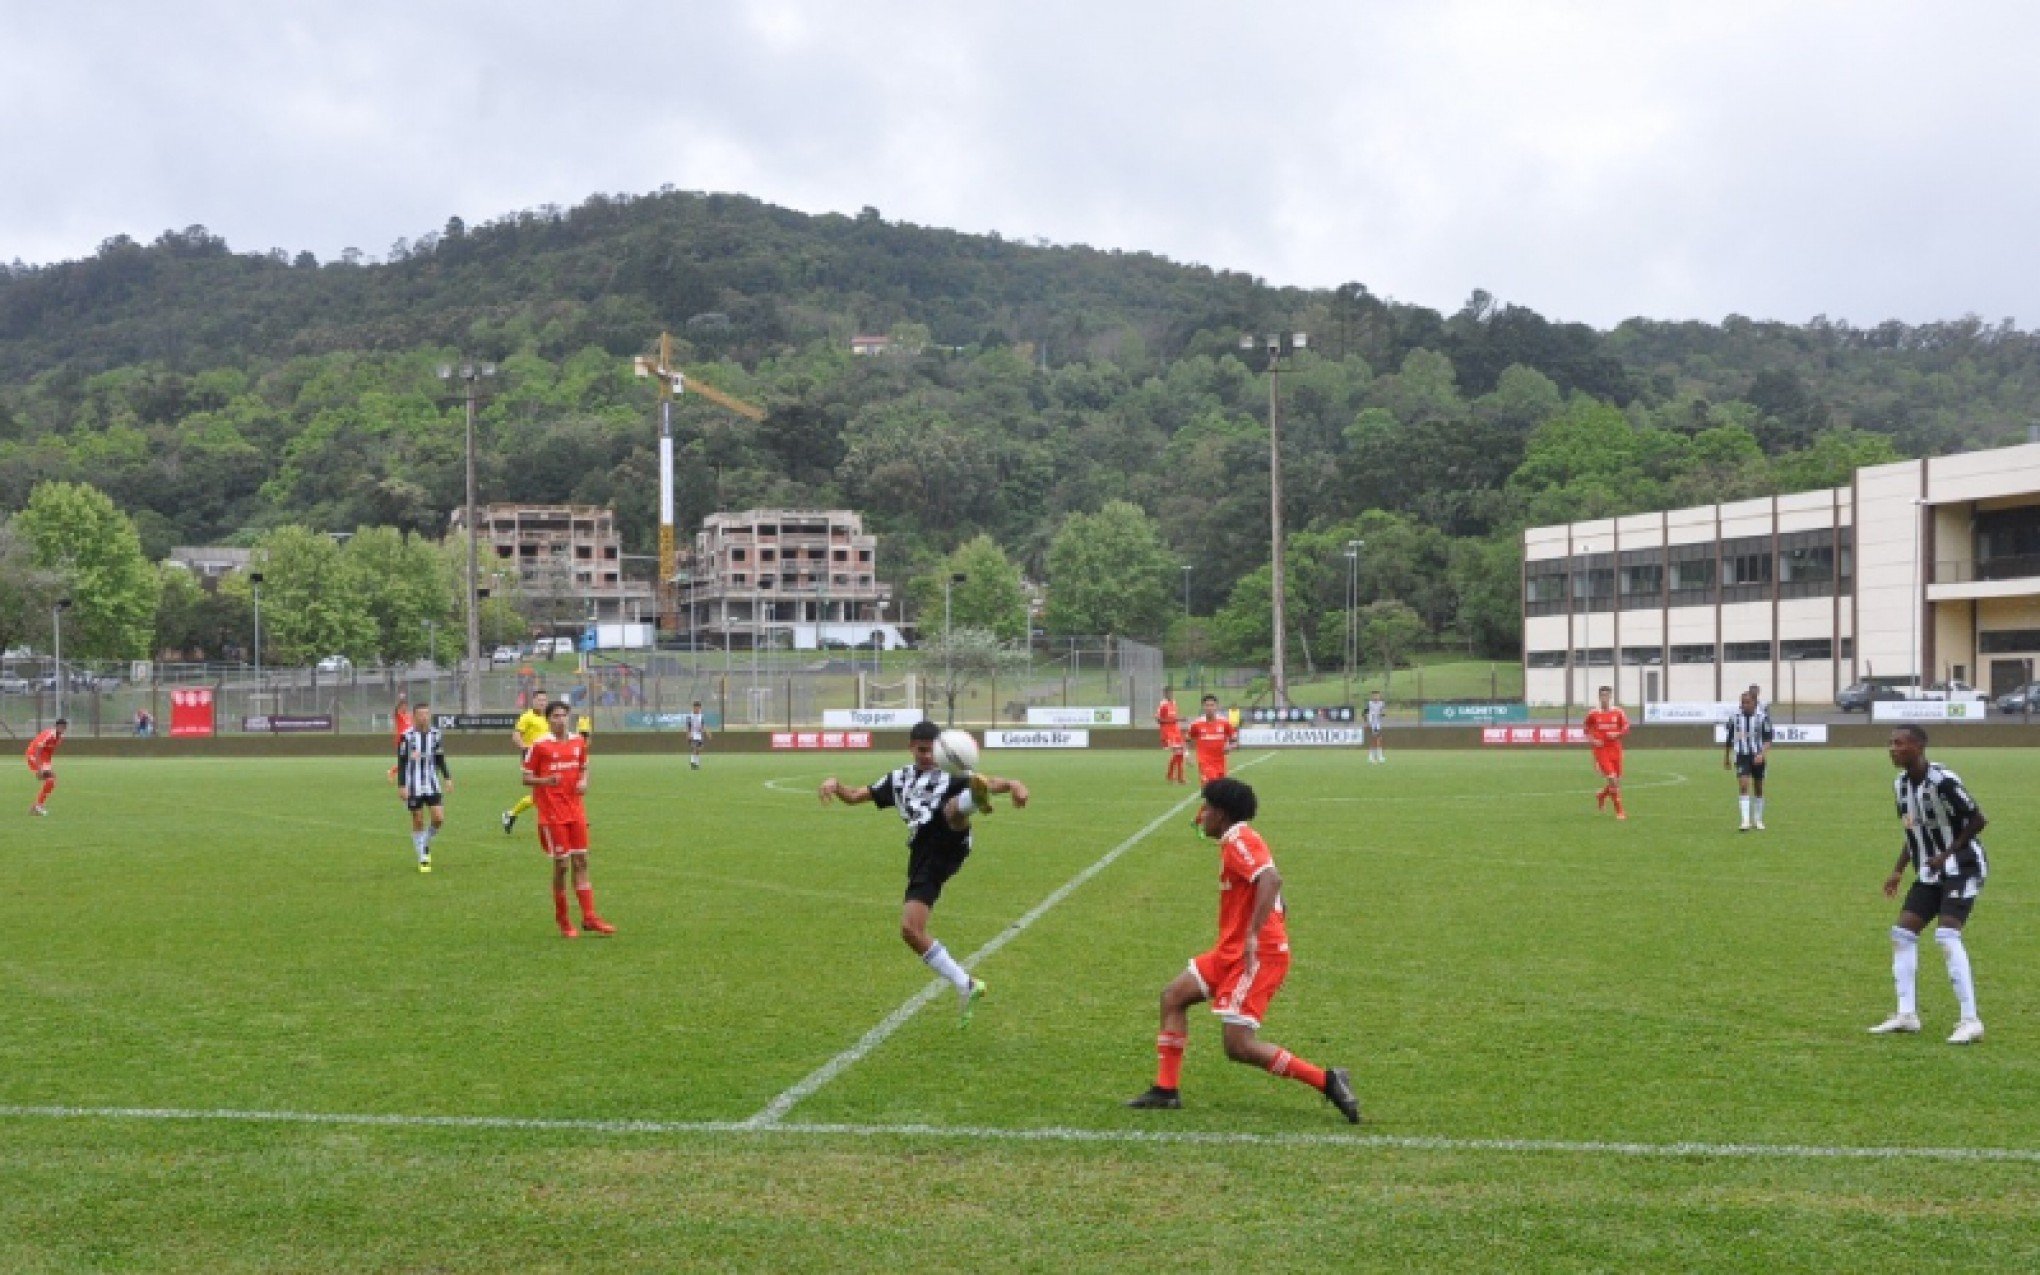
937 807
1747 746
1942 823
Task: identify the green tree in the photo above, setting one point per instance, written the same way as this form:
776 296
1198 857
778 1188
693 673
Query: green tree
1108 572
989 597
965 657
93 548
1389 630
207 623
312 604
400 579
26 590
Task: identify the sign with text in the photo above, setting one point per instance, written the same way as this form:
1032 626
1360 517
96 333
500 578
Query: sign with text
191 712
1037 739
1475 714
1926 710
832 740
1533 734
871 718
1299 716
1784 734
1687 713
475 721
288 723
1302 737
1079 717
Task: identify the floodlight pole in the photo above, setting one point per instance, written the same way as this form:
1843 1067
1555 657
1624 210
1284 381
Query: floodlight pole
57 610
255 589
470 374
1278 346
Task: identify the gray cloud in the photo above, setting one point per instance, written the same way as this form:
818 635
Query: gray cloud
1591 160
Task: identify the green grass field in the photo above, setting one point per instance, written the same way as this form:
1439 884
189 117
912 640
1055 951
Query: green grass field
1579 1044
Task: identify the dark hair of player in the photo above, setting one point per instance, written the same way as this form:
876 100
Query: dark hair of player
1233 797
1917 734
1211 699
558 706
61 721
924 730
1608 690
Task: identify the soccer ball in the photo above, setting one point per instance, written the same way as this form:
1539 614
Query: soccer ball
956 752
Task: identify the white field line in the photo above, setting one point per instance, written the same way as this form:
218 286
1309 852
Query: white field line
776 1110
1676 778
1051 1134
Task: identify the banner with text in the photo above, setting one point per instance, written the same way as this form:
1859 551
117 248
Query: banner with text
1687 713
1079 717
872 718
474 721
191 712
829 739
1302 737
1533 734
1037 739
1784 734
288 723
1926 710
1475 714
1336 713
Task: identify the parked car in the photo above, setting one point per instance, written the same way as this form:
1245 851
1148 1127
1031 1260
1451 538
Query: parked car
1858 696
1957 692
2022 699
336 664
503 655
548 647
15 686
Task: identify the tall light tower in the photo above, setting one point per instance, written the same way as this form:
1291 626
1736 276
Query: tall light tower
57 610
660 367
470 375
1279 346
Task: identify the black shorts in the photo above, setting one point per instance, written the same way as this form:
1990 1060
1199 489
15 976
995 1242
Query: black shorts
419 803
1749 768
1951 897
929 870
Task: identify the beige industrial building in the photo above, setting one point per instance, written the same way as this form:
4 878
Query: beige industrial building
568 559
1923 568
799 578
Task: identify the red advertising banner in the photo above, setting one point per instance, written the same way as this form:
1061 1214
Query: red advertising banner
1533 734
830 739
191 712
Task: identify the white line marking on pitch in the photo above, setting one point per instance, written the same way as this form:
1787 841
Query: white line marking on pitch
776 1110
986 1133
1675 780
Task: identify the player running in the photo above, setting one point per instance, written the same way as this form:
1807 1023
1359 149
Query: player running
1747 745
1213 735
1241 975
1172 736
1605 728
421 761
937 807
1377 717
556 772
696 723
42 757
1942 823
531 726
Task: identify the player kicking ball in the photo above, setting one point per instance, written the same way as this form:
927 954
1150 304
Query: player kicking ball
556 772
1242 974
937 806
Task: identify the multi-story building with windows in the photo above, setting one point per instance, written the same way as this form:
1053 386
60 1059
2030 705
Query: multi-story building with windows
1926 569
569 563
800 578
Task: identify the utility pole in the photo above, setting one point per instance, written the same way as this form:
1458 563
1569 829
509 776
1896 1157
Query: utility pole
470 376
1279 346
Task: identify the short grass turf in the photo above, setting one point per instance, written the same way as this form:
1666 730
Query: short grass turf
1492 958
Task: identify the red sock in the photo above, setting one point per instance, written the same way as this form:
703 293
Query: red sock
49 786
587 896
560 908
1169 1052
1618 801
1287 1064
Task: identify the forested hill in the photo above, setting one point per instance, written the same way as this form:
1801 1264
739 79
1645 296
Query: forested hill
217 394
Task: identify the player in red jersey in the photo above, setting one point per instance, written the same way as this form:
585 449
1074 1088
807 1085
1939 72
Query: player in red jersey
1241 975
1606 726
41 755
556 771
400 722
1214 736
1172 735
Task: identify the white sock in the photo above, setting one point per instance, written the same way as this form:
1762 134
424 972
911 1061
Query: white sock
1905 964
1745 803
966 802
937 958
423 844
1757 803
1959 977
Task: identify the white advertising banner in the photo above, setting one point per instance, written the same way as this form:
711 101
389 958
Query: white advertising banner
1687 712
1037 738
1926 710
1302 737
1783 734
1080 717
871 718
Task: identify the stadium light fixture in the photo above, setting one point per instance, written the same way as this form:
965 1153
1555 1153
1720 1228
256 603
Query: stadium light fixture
57 610
470 375
1279 346
255 590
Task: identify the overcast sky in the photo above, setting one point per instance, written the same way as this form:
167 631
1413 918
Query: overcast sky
1593 161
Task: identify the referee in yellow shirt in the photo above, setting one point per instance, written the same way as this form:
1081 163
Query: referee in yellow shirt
530 728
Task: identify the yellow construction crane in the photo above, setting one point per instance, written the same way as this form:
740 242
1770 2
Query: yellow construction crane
674 382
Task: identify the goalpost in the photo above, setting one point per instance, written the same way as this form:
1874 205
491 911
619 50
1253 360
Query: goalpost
872 693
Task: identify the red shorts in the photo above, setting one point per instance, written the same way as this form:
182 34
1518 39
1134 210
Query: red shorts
1210 770
559 840
1237 994
40 771
1608 760
1172 739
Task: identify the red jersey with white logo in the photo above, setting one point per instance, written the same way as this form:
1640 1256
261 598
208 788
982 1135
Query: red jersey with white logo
1606 727
564 759
1211 737
1172 728
1243 857
42 748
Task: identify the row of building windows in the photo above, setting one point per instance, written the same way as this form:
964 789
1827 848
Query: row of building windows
1801 564
1789 650
742 580
739 554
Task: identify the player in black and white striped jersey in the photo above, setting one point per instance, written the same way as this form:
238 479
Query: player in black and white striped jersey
1942 823
421 768
1747 746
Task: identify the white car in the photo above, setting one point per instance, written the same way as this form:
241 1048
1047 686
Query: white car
336 664
503 655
